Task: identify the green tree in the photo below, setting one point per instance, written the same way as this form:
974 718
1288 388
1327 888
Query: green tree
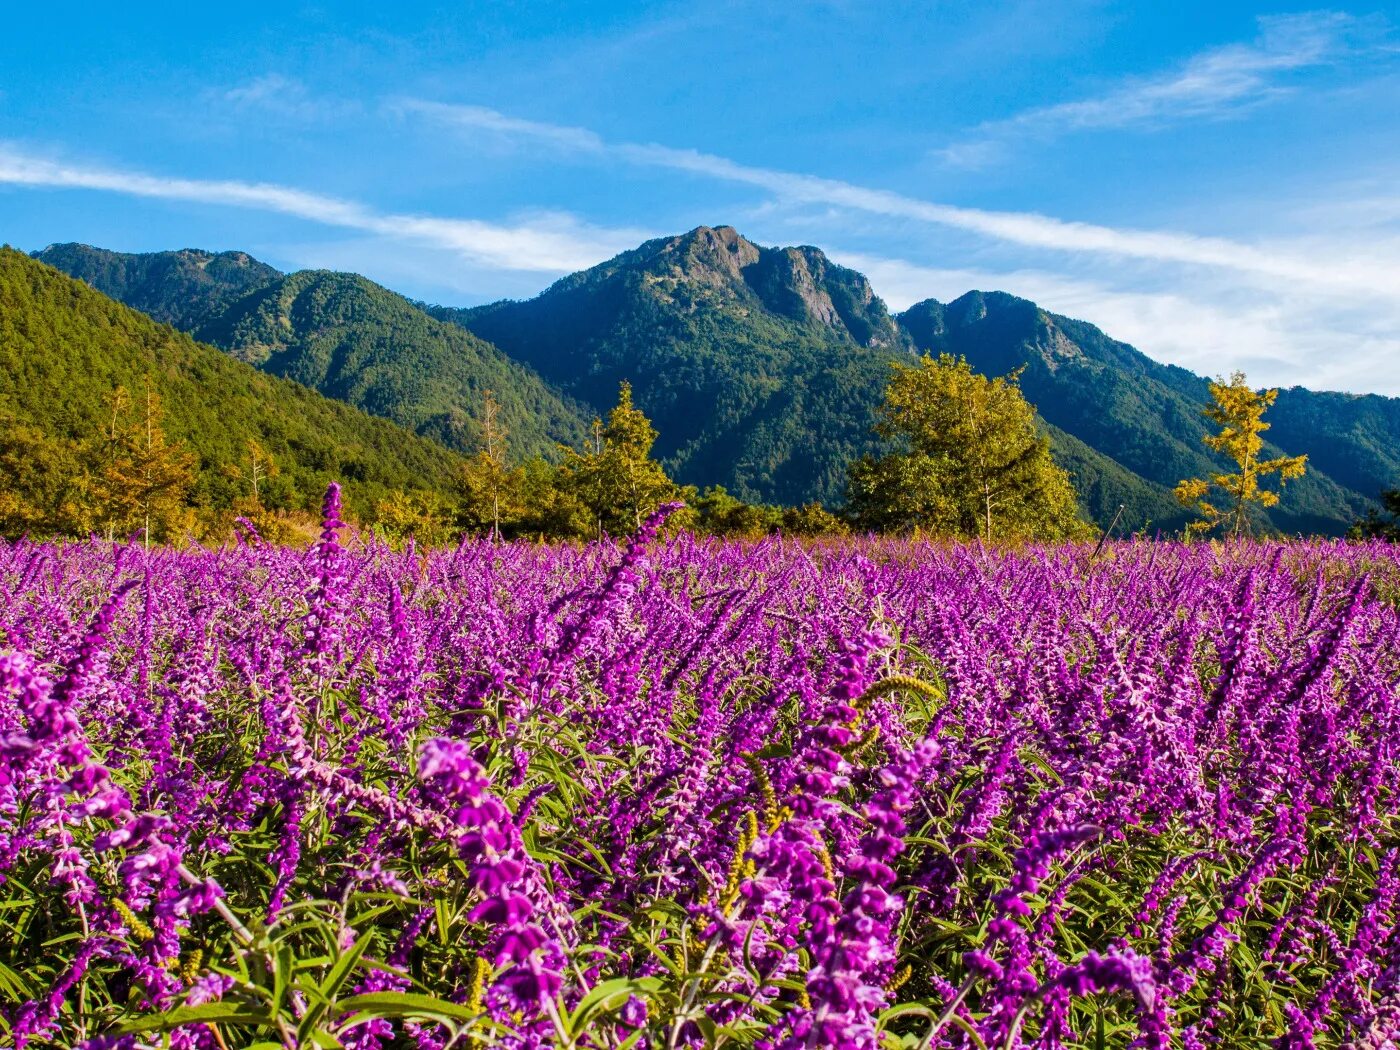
972 461
812 519
45 489
490 490
900 492
615 476
1381 523
721 514
143 479
549 508
255 470
1239 412
422 515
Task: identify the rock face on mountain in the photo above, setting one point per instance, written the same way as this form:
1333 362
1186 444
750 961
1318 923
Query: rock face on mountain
340 334
761 367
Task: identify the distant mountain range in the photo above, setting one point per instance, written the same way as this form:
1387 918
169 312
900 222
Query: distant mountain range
761 368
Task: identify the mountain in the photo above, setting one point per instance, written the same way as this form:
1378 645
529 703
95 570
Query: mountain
65 348
340 334
759 366
762 368
181 288
1147 416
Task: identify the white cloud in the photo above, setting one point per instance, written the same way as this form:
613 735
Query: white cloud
1212 84
285 97
1026 229
1321 340
545 243
479 118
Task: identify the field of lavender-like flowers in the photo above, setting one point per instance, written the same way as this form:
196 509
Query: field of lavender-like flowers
685 793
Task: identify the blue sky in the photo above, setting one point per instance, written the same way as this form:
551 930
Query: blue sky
1216 183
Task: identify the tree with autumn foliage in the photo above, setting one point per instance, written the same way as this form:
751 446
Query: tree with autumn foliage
491 490
1239 413
141 478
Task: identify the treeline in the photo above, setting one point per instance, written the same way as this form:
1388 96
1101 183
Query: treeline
607 487
964 458
130 480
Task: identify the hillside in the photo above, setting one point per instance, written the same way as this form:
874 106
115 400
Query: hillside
1147 416
180 288
340 334
64 349
763 367
759 366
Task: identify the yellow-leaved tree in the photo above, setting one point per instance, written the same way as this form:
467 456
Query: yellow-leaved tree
1239 412
142 478
615 477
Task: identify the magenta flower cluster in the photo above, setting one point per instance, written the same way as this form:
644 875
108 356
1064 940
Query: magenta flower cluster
689 793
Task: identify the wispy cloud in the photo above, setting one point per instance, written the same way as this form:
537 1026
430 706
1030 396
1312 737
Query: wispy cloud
1277 336
1215 83
482 119
546 243
1026 229
285 97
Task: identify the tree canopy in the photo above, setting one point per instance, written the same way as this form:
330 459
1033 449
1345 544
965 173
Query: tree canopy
1239 413
969 459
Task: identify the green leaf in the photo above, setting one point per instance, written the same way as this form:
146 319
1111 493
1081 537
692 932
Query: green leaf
599 996
404 1004
327 990
207 1013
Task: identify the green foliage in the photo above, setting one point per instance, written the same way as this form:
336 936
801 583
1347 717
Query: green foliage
973 461
721 514
142 481
340 334
614 477
761 367
1239 413
180 288
425 517
1129 428
45 484
65 350
900 492
1381 523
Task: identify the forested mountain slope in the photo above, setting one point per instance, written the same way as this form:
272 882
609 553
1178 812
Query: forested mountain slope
65 349
342 335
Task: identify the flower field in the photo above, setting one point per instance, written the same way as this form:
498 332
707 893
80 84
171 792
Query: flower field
685 793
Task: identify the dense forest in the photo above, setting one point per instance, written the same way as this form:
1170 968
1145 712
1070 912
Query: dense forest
790 354
72 359
341 335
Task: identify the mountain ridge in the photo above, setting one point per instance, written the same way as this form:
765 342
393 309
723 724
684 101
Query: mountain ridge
340 334
65 348
762 368
1107 393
